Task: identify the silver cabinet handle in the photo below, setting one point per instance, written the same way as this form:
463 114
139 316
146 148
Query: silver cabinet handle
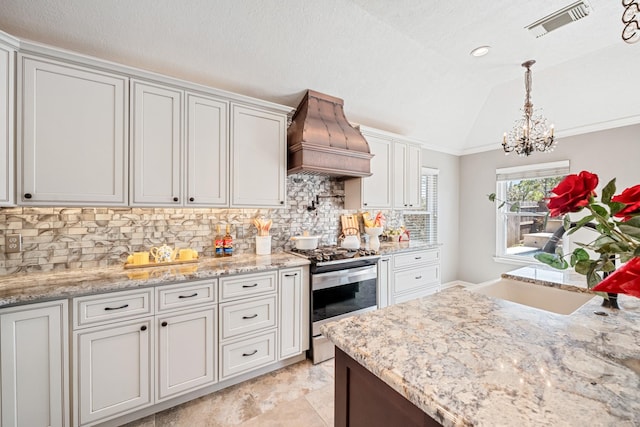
249 354
253 316
291 275
117 308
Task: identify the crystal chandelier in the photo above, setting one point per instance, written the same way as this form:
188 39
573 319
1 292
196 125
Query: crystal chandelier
531 132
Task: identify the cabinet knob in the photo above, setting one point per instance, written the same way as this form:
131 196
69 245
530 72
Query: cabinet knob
405 205
175 199
191 199
365 204
282 202
164 324
143 328
27 195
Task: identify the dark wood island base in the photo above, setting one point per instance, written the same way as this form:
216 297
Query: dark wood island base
362 399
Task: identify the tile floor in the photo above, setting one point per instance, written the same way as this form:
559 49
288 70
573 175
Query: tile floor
298 395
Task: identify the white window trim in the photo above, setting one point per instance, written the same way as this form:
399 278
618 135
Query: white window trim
500 236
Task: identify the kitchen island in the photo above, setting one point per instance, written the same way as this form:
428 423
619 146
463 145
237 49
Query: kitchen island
465 359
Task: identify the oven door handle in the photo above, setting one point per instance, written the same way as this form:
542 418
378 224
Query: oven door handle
343 277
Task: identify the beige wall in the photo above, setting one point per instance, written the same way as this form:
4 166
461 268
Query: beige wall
611 153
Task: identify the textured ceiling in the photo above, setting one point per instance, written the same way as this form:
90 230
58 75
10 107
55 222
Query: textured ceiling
402 65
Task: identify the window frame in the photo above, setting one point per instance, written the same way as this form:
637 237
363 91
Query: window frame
536 170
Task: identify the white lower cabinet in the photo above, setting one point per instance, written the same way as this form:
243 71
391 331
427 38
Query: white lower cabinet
292 309
415 274
33 365
113 369
186 352
384 281
139 348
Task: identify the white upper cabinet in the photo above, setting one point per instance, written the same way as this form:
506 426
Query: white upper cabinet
207 151
7 182
156 144
258 157
72 136
406 175
373 191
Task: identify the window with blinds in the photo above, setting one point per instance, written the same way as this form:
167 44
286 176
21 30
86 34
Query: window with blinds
523 225
429 202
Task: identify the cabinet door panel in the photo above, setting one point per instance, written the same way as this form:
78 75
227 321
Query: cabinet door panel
414 166
157 142
258 146
113 370
73 135
377 187
207 151
33 357
6 126
290 308
399 175
186 352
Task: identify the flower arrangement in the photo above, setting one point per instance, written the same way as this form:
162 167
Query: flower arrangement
615 218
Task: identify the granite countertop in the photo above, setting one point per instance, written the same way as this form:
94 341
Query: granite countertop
34 287
389 248
548 276
467 359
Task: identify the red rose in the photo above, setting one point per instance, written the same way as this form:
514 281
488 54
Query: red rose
631 198
573 193
625 280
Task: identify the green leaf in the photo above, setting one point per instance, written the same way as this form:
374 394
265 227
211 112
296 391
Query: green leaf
600 211
593 279
581 254
580 224
501 205
612 248
515 207
626 256
637 251
583 267
616 207
608 266
492 197
630 230
566 223
608 191
551 259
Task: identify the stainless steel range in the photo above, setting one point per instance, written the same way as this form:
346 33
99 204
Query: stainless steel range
343 283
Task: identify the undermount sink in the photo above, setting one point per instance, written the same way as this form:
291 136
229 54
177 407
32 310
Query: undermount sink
537 296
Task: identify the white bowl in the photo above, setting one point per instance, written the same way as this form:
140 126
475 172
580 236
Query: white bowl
306 242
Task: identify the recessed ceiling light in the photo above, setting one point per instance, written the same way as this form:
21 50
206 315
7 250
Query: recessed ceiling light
480 51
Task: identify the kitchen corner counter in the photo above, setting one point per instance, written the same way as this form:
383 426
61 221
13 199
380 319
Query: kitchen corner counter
547 276
25 288
468 359
389 248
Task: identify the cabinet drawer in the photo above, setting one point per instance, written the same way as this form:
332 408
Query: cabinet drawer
250 316
415 278
94 309
413 258
250 353
247 285
423 292
189 295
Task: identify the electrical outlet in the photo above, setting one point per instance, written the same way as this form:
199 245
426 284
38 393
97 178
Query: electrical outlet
12 243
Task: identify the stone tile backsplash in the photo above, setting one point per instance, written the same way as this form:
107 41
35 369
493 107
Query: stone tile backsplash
60 238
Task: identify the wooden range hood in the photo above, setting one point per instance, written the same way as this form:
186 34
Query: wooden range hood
321 141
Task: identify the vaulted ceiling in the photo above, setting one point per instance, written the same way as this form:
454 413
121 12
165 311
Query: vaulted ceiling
401 66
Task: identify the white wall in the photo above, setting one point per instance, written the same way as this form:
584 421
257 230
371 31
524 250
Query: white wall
448 187
613 153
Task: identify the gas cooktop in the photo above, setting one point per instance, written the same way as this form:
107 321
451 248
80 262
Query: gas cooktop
336 257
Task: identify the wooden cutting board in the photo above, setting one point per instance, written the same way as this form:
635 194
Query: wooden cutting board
349 223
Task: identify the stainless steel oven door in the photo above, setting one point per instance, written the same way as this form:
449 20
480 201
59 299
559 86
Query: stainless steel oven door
342 293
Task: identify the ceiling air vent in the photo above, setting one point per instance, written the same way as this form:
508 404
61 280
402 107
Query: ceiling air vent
562 17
